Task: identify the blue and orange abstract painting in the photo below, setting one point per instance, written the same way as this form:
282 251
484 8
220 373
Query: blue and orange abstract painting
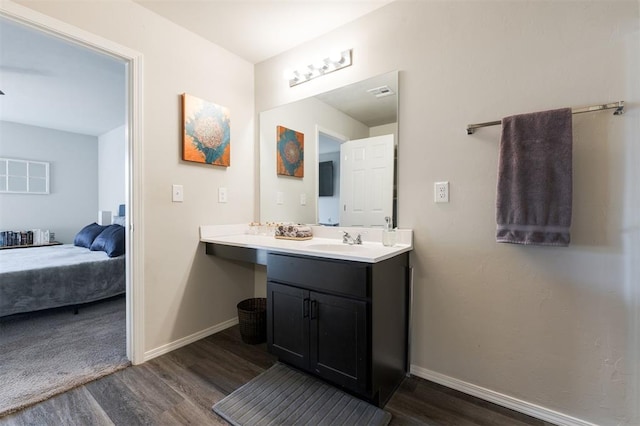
207 132
290 152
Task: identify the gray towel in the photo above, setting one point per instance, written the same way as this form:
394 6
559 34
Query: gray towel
533 203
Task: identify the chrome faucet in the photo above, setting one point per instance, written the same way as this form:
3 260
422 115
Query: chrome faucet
348 239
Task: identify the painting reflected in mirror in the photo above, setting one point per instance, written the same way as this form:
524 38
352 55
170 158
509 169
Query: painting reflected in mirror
350 150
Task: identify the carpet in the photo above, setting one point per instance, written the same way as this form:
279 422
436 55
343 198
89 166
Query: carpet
284 396
46 353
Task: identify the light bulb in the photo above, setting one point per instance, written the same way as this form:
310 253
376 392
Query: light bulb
335 56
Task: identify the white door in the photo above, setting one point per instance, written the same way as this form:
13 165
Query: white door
366 181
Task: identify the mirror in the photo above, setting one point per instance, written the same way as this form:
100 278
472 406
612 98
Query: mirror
358 185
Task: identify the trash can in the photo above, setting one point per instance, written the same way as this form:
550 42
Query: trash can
252 318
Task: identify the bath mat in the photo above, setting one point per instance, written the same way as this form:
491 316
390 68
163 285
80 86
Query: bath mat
284 396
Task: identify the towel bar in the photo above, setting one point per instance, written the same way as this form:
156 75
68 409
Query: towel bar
618 106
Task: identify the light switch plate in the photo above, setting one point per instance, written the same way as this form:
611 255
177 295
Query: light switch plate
279 197
303 199
177 193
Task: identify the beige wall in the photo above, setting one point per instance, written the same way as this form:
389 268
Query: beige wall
185 291
554 327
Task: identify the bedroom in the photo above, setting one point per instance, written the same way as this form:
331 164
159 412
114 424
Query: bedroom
69 115
571 316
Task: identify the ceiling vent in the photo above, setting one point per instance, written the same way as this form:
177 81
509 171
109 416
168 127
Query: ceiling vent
381 92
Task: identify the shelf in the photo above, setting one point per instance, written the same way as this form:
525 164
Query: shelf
55 243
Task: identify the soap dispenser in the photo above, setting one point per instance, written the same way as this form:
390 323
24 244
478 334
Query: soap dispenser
388 233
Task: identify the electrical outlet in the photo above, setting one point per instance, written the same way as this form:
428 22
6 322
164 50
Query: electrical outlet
441 192
222 195
177 193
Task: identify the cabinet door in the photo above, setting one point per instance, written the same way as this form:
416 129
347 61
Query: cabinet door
288 323
338 333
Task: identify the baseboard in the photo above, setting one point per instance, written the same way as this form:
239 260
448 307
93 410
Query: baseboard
498 398
153 353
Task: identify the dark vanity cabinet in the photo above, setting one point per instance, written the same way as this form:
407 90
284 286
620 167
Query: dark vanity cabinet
343 321
319 332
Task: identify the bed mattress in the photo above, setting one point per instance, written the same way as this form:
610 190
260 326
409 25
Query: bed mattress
38 278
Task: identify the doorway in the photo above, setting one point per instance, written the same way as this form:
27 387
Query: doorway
366 184
133 156
329 178
355 180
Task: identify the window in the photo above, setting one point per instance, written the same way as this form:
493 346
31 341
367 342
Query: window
23 176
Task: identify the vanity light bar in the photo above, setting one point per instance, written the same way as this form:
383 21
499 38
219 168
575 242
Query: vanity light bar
320 68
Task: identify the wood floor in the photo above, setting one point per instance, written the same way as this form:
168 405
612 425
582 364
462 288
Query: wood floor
179 388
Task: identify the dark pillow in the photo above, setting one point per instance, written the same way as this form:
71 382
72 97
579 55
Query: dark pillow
110 241
85 237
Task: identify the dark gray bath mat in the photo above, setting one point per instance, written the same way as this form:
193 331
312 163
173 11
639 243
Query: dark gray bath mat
284 396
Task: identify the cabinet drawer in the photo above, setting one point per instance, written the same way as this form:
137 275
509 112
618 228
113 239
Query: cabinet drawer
349 278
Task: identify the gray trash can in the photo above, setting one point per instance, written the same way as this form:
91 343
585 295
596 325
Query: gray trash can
252 319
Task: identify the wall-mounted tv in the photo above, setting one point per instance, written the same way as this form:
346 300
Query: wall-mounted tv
325 180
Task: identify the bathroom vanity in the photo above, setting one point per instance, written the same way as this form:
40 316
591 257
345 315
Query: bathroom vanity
334 310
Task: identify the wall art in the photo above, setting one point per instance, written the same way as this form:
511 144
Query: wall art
290 147
206 132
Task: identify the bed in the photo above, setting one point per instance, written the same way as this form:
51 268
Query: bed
39 278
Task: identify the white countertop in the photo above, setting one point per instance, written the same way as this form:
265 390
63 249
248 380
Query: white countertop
326 243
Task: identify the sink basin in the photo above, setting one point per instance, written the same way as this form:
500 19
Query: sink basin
343 248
